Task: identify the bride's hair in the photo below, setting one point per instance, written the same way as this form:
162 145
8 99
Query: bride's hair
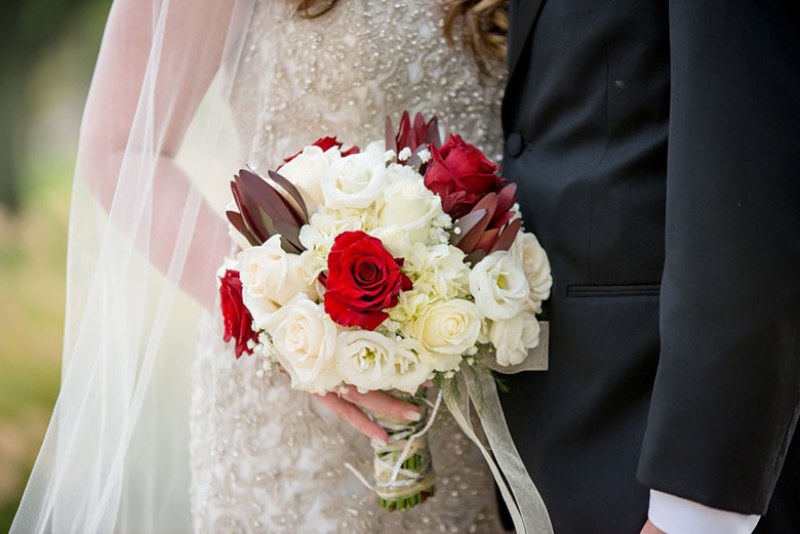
484 28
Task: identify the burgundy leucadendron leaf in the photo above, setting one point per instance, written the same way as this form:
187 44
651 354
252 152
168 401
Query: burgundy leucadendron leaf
265 212
506 238
465 224
237 221
391 137
475 256
420 129
434 137
487 239
502 221
505 201
291 235
416 137
470 241
471 238
265 197
294 193
402 130
254 224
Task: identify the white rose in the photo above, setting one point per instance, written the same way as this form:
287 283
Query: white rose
499 286
271 277
447 330
366 359
411 368
355 181
408 204
513 338
529 252
395 239
306 170
304 342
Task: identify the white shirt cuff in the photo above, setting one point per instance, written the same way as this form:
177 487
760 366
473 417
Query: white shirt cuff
675 515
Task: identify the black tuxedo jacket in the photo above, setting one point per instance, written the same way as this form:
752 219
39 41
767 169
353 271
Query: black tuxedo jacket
656 146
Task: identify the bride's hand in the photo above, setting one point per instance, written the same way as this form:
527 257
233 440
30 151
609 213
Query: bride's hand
350 407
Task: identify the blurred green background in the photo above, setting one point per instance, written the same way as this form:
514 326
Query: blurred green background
47 52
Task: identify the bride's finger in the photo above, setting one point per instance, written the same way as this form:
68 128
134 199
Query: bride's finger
384 404
350 413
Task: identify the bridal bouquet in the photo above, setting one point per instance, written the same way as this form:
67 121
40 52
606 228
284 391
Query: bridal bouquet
389 268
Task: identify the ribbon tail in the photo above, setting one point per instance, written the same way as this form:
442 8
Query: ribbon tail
524 502
466 427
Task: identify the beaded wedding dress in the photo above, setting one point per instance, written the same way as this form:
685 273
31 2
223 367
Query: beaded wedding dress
265 458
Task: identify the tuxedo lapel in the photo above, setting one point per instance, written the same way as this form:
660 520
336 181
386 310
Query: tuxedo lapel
524 18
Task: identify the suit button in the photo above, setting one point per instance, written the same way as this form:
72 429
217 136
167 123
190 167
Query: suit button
515 145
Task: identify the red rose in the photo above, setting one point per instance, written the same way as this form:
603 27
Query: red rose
363 281
236 316
326 143
460 174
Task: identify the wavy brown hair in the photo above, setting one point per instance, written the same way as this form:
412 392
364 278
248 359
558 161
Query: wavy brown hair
484 28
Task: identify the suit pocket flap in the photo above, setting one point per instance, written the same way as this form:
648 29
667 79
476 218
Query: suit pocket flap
634 290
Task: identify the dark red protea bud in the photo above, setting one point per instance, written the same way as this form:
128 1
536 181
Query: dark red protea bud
417 137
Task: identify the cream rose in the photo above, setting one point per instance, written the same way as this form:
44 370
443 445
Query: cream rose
366 359
306 170
529 252
447 330
355 181
408 204
514 337
271 277
499 286
304 342
395 239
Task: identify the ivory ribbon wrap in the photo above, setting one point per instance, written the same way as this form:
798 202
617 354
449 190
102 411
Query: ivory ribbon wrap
523 500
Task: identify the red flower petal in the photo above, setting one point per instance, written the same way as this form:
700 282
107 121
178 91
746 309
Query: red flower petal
337 307
236 317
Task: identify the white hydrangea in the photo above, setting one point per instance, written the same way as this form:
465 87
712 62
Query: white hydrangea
438 271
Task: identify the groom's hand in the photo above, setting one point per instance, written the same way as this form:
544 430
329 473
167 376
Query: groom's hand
350 407
650 528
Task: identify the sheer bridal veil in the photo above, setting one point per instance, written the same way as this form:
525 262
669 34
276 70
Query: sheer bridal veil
142 230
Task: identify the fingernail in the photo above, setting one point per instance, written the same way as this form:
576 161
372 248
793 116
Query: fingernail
380 441
412 415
